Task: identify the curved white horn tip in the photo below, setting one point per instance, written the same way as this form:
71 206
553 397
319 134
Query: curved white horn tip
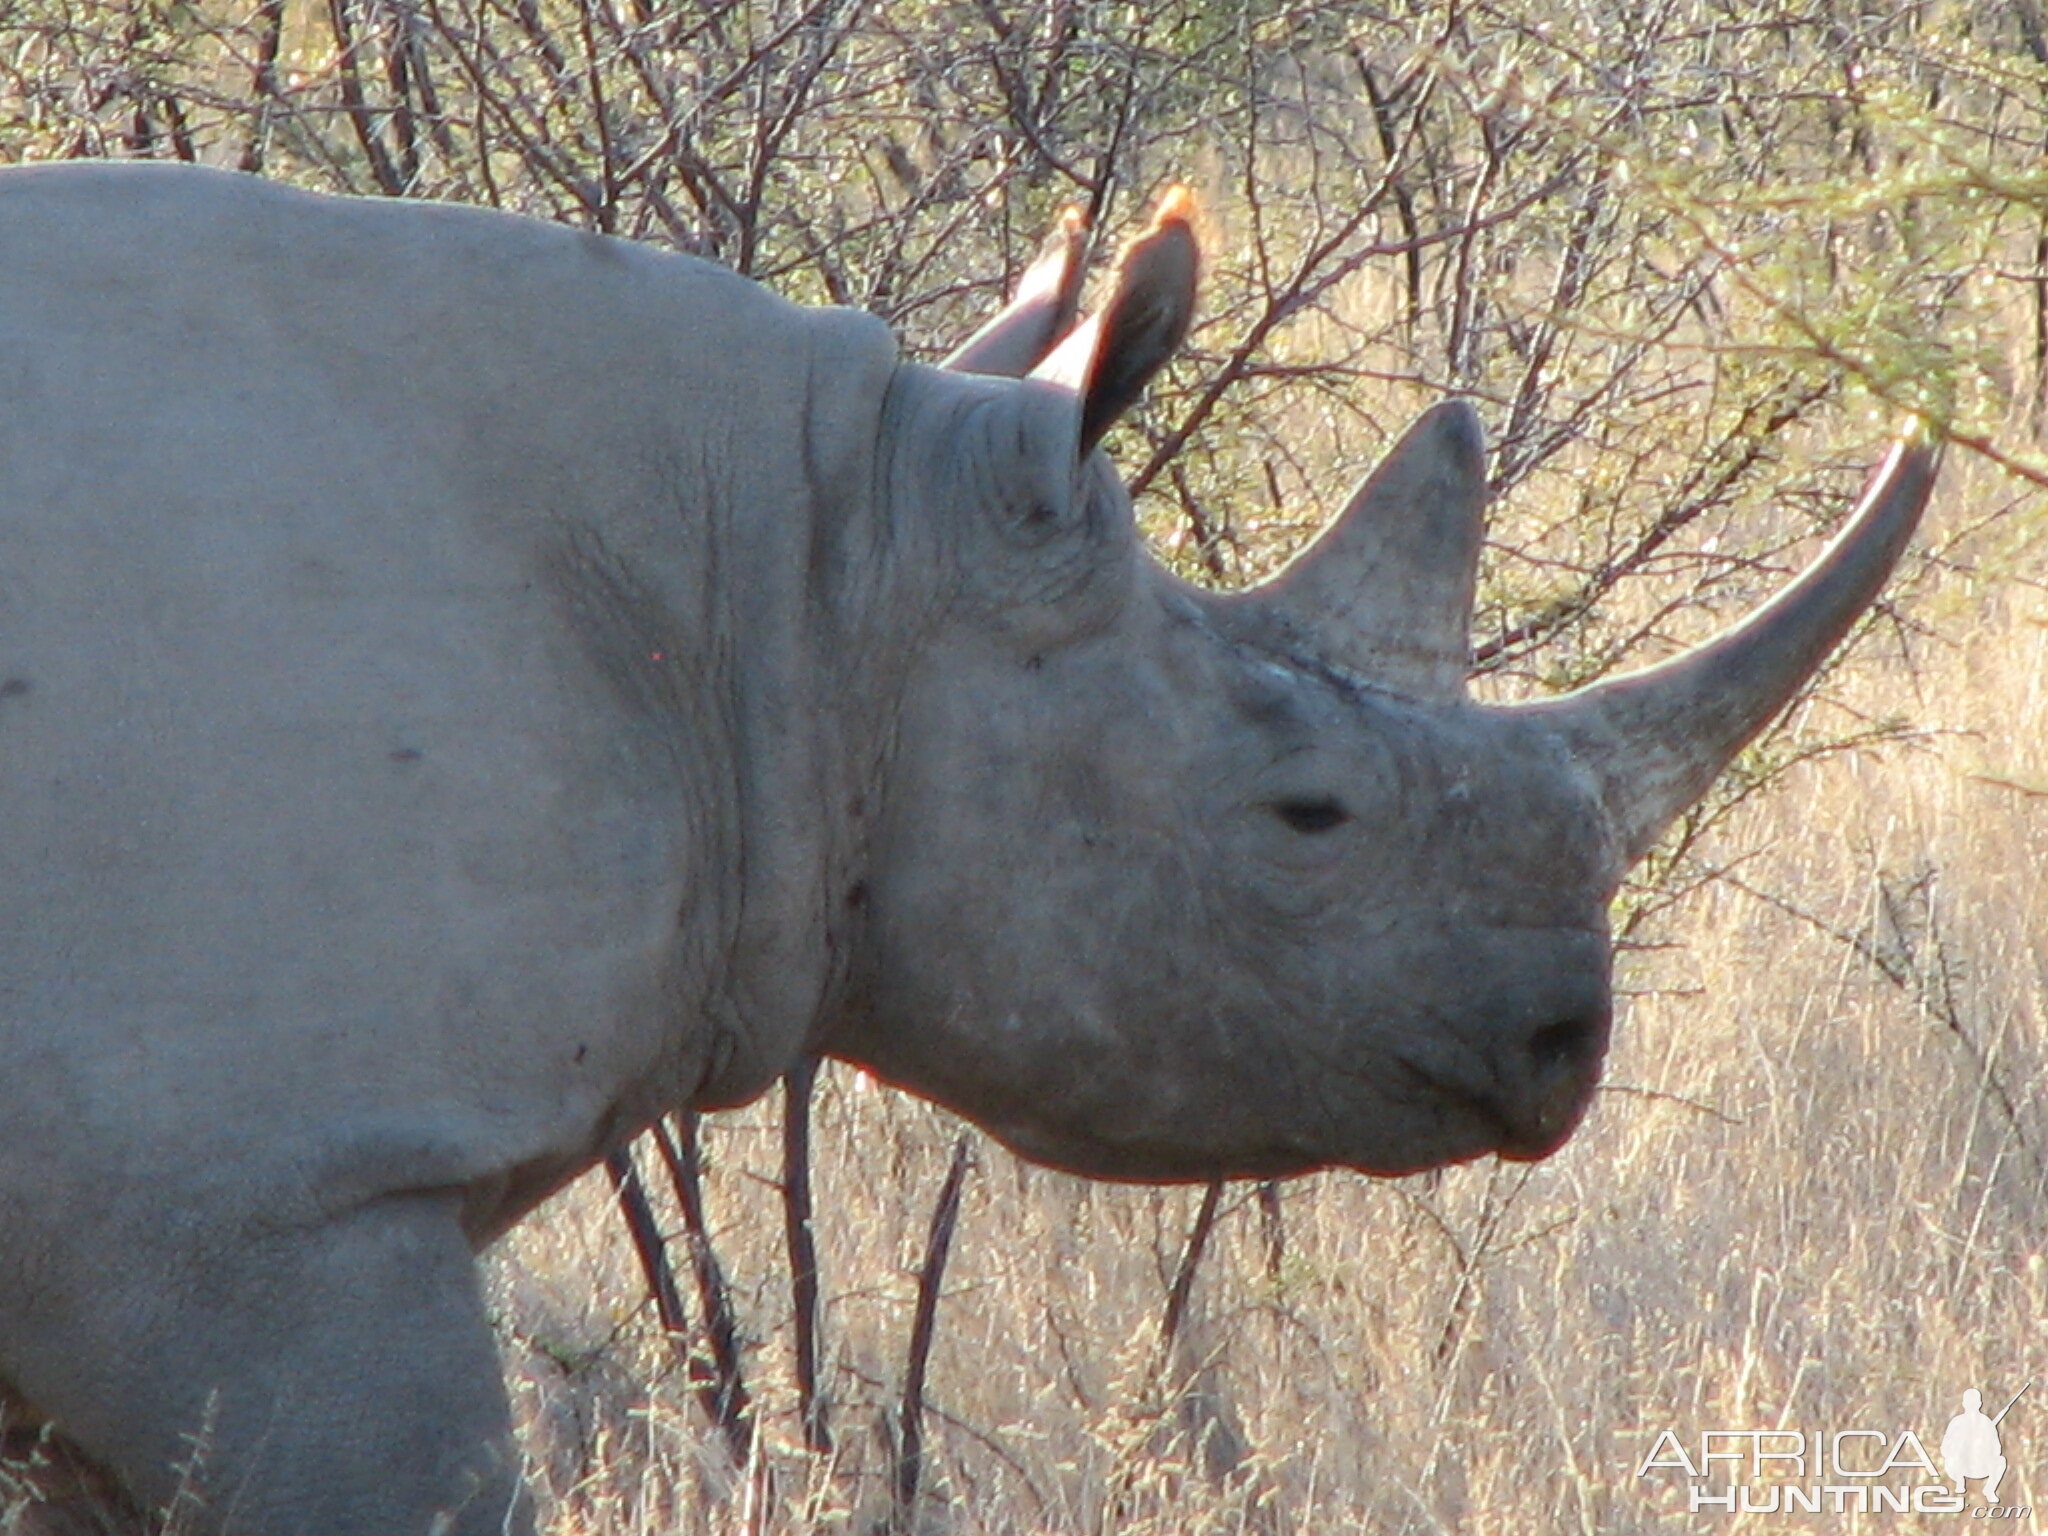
1898 487
1660 736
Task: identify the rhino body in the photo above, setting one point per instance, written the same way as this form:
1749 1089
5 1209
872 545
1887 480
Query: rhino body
469 687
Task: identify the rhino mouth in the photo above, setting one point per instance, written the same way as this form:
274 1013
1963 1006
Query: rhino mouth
1529 1137
1525 1102
1564 1060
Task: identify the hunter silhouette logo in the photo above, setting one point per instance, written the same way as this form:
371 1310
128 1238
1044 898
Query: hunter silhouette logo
1849 1470
1971 1447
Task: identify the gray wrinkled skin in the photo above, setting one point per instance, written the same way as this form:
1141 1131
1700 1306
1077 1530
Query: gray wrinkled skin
467 688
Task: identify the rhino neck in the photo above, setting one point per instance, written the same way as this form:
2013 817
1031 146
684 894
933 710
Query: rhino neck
736 605
814 609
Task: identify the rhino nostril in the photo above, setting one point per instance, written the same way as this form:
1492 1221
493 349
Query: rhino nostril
1568 1043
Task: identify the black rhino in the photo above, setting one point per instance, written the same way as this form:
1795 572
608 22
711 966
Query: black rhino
468 687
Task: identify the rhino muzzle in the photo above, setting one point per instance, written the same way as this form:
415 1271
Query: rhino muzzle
1549 1083
1513 1054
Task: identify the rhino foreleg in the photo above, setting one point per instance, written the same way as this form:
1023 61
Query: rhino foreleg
334 1380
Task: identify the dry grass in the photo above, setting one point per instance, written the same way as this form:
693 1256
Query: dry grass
1811 1198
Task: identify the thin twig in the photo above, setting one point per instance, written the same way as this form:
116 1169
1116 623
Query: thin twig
938 1246
652 1249
648 1242
802 1245
721 1326
1273 1225
1190 1262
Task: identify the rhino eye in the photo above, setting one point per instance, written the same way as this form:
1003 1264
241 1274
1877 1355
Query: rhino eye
1311 813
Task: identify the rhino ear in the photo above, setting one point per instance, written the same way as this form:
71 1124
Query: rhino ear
1039 313
1109 360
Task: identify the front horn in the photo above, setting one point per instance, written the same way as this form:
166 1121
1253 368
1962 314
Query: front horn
1658 738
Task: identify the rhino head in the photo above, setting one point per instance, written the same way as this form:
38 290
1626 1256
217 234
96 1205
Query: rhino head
1172 884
